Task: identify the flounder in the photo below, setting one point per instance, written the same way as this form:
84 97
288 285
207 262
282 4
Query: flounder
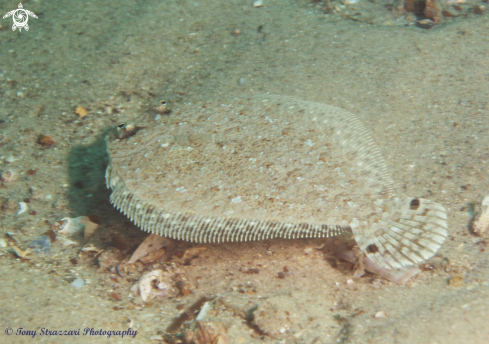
265 167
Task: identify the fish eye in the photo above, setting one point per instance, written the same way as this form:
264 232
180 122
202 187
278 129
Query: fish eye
163 102
121 126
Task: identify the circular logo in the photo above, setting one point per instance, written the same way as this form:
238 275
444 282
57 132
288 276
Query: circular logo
20 17
9 331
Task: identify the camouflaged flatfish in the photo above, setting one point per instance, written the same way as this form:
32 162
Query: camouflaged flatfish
266 167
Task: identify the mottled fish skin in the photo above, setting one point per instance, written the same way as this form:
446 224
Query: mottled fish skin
265 167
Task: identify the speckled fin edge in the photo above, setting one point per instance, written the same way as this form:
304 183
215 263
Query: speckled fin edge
413 233
206 229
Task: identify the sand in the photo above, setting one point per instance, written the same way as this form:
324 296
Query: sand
422 93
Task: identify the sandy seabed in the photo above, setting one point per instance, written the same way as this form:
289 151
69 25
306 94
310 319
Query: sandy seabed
422 93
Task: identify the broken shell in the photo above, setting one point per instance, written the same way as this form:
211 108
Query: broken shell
90 248
78 282
151 244
71 225
381 314
9 176
80 111
19 253
23 208
66 242
74 225
258 3
46 141
426 23
153 284
10 158
481 221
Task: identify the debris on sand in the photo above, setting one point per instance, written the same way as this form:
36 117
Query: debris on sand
481 219
8 176
150 247
74 225
20 253
41 245
152 285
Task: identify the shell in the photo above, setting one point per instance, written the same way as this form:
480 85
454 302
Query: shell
71 225
266 167
74 225
22 208
153 284
481 221
9 176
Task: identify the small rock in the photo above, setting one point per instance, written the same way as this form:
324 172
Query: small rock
41 245
46 141
78 283
23 208
426 23
80 111
258 3
381 314
481 219
10 158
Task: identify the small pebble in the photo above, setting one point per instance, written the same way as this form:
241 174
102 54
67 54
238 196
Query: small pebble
10 158
381 314
23 208
78 283
41 245
9 176
46 141
257 3
80 111
241 81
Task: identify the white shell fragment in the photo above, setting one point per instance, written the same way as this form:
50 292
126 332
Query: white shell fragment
258 3
265 167
151 244
71 225
22 208
481 221
74 225
9 176
153 284
65 241
78 282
